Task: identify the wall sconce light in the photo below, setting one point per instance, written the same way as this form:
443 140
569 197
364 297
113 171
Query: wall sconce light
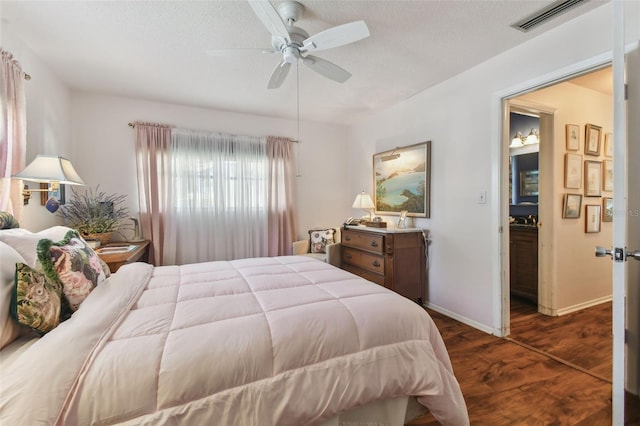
532 137
53 170
516 141
363 201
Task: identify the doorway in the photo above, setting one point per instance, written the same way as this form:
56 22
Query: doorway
573 289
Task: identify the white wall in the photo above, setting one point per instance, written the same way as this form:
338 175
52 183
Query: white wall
48 120
104 153
459 117
578 277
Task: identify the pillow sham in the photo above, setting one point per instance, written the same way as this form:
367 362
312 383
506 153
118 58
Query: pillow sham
7 221
37 300
9 328
320 238
72 263
26 242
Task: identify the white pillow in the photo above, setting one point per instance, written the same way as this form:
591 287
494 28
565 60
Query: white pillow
26 242
9 328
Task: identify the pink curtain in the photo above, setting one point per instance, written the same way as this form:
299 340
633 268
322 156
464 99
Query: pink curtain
13 133
153 169
281 226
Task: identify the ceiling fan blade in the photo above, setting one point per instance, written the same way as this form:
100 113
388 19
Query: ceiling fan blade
249 51
278 75
269 17
337 36
326 68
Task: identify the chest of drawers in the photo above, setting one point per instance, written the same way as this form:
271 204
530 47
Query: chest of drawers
389 257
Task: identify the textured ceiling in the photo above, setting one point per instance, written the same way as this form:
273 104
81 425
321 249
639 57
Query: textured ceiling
155 50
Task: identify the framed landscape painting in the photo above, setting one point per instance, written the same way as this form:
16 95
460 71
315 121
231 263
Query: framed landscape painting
402 177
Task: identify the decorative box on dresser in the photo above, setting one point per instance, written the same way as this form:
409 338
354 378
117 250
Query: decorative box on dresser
393 258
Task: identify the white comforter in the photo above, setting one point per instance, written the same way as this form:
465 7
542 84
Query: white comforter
285 341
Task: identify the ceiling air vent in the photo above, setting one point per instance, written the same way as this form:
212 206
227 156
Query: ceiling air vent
555 9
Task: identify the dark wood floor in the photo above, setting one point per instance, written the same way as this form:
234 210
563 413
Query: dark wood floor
505 383
583 338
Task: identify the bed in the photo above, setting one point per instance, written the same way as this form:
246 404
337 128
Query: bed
266 341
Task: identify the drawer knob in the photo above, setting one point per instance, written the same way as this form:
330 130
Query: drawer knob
348 256
374 244
347 238
376 263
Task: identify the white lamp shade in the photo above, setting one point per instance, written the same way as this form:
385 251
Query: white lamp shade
48 168
363 201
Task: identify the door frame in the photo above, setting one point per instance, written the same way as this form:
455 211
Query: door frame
499 175
546 254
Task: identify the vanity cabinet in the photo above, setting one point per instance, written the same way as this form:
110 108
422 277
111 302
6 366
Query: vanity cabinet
523 263
393 258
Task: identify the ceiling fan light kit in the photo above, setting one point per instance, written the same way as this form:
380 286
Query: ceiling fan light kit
293 43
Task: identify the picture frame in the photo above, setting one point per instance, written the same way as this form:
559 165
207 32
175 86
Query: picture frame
572 137
608 144
572 206
572 171
402 219
607 209
607 175
529 183
592 218
592 137
45 195
401 177
592 178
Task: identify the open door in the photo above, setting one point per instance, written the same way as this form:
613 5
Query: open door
625 251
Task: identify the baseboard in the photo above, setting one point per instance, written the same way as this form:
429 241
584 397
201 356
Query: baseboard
460 318
583 305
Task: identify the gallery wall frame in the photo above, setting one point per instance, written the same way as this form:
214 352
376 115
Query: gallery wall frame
592 138
592 218
572 171
592 178
607 209
402 178
572 137
607 175
608 144
572 206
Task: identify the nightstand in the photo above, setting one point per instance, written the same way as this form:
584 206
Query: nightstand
116 259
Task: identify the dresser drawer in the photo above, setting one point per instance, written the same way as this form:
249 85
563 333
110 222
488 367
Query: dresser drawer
378 279
364 260
363 241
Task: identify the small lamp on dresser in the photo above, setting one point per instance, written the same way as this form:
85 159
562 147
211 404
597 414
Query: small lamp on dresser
363 201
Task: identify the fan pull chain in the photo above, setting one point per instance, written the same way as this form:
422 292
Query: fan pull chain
298 174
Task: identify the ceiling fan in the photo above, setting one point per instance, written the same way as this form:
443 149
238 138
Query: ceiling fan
294 44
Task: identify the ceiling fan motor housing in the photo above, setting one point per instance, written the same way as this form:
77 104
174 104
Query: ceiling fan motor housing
290 51
290 54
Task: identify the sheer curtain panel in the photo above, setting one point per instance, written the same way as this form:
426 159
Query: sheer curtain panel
219 203
13 133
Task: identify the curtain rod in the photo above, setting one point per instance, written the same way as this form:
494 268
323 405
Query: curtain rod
133 125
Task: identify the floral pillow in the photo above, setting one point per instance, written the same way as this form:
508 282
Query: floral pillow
73 264
7 221
319 238
9 328
37 301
